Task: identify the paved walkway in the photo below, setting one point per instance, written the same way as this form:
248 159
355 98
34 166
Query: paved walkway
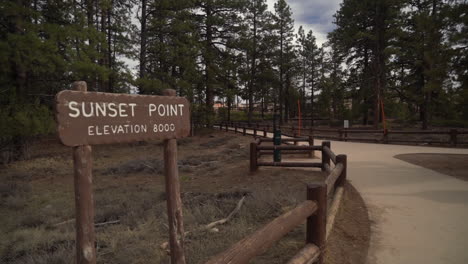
417 215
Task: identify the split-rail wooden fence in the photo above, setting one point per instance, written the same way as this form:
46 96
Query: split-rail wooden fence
319 217
257 150
454 137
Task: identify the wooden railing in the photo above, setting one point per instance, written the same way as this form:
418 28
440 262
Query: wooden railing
257 150
454 136
315 211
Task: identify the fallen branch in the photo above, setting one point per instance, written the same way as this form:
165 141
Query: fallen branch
211 226
65 222
95 224
107 223
225 220
150 167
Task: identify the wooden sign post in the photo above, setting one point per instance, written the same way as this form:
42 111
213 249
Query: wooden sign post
174 202
87 118
84 202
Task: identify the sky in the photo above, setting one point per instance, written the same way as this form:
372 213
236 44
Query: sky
315 15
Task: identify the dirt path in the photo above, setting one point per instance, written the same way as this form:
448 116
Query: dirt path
455 165
418 215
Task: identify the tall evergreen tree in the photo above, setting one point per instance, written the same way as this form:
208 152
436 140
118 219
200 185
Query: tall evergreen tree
309 55
366 42
284 26
457 13
257 20
218 22
422 57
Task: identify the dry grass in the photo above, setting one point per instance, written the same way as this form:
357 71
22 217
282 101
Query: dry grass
129 187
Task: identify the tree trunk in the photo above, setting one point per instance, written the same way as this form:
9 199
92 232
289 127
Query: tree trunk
287 106
312 105
229 103
253 68
209 112
104 53
90 17
280 102
263 107
379 59
109 49
143 45
17 63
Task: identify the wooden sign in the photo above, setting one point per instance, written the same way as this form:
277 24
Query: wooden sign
90 118
86 118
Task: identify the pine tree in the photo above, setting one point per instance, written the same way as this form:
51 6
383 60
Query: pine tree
257 20
309 55
46 45
422 57
284 25
457 33
218 21
365 40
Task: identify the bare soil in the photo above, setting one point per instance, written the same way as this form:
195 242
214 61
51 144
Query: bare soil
455 165
350 237
37 204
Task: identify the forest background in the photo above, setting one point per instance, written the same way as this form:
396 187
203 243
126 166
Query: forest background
408 56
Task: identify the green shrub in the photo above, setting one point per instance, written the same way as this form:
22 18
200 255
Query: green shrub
19 123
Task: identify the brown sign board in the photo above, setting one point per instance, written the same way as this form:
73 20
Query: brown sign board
90 118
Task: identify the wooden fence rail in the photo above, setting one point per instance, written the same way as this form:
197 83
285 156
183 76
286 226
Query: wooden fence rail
329 153
262 239
282 147
379 135
256 150
319 221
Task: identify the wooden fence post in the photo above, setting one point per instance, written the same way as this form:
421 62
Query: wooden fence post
227 126
253 157
244 131
342 178
345 134
235 128
264 133
317 223
385 136
255 132
174 202
453 137
311 143
325 157
84 202
340 131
